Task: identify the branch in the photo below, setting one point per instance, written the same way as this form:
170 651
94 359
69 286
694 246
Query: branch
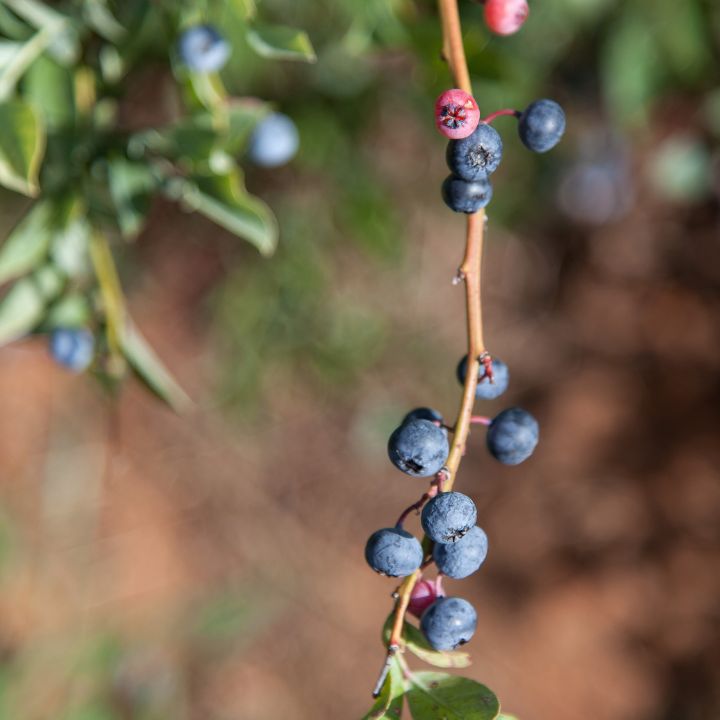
470 273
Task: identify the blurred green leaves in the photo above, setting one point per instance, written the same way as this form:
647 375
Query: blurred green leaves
22 143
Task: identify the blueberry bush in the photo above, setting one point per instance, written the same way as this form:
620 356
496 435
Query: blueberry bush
90 176
419 447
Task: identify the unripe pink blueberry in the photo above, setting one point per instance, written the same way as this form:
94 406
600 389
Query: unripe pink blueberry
456 114
505 17
422 597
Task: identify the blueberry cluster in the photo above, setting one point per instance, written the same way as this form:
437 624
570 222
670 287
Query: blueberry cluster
474 157
419 447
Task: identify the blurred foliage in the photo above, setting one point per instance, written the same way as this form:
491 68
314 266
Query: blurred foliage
65 72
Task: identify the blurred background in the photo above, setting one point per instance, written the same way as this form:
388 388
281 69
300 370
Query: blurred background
210 566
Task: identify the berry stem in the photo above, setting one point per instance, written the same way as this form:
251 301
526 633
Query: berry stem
469 273
453 49
417 506
500 113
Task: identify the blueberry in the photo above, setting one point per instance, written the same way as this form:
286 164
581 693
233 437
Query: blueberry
448 516
424 413
73 348
476 156
487 390
423 595
393 552
462 558
274 141
449 622
203 49
512 436
541 125
466 197
418 448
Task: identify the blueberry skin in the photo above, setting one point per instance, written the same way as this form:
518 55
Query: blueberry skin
449 622
73 348
203 49
423 413
418 448
274 141
466 197
487 390
393 552
512 436
541 125
448 516
476 156
462 558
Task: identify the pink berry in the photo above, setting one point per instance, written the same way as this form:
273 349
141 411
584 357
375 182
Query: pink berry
505 17
423 595
456 114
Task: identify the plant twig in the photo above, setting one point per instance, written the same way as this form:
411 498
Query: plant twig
470 273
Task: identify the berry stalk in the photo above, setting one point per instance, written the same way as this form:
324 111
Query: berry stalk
470 273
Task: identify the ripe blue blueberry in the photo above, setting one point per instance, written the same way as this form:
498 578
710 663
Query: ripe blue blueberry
448 516
512 436
73 348
274 141
424 413
449 622
541 125
462 558
203 49
393 552
476 156
418 448
466 197
487 390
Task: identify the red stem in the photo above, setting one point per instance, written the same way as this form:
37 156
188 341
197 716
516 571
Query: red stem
500 113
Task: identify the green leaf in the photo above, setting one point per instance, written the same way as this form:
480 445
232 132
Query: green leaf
71 238
389 703
23 307
27 245
281 43
16 65
64 41
70 311
224 200
22 144
437 695
502 716
131 185
48 87
416 643
101 19
150 369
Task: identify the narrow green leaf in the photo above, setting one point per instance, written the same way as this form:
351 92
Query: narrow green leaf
27 245
22 144
70 311
389 703
27 53
435 695
130 187
8 51
281 43
71 238
23 307
101 19
224 200
150 369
